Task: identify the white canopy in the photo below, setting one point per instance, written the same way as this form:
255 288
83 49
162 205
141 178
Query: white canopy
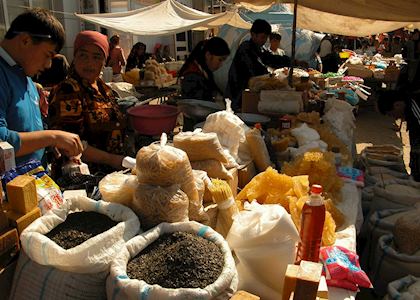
168 17
350 17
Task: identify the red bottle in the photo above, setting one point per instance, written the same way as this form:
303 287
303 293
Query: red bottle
312 224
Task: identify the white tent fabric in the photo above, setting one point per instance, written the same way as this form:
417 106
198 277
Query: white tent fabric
316 17
168 17
385 10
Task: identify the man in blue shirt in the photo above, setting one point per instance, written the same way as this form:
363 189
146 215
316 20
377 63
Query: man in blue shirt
32 40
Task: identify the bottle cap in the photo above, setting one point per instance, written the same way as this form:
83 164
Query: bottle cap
316 189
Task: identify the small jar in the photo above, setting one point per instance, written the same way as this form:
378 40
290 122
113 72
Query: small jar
285 123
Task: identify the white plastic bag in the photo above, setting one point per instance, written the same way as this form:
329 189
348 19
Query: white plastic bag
230 130
264 239
305 135
92 256
120 286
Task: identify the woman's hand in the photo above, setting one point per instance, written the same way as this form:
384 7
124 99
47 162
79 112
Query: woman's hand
68 143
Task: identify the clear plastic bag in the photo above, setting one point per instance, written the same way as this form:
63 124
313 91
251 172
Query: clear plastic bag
154 204
200 145
163 165
118 187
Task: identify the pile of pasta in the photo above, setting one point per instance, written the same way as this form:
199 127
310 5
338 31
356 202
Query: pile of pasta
156 72
320 167
270 187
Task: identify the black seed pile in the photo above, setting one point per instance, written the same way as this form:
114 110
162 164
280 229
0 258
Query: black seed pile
79 227
178 260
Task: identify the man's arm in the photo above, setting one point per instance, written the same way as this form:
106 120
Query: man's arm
67 142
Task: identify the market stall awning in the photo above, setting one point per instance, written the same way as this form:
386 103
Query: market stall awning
353 18
168 17
385 10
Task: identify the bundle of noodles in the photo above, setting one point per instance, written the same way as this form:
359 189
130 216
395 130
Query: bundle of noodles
222 196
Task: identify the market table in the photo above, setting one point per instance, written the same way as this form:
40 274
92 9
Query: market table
160 94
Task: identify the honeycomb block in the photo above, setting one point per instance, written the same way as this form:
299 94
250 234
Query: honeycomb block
21 193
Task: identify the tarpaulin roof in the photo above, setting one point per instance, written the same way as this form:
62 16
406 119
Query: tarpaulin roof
349 17
168 17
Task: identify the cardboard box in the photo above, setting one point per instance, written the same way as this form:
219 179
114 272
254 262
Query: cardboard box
21 193
250 101
7 157
20 221
9 240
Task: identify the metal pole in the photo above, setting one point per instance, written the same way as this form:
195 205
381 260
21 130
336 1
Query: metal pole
293 42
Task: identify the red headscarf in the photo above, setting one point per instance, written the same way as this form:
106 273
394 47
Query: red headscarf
88 37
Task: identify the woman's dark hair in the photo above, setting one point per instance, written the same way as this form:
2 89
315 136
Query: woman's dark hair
41 25
114 39
216 46
261 26
136 47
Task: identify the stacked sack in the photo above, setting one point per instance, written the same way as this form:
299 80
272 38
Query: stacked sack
167 191
382 163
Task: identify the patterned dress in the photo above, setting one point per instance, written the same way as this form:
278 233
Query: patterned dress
94 115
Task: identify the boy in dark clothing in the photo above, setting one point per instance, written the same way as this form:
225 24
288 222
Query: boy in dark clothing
399 104
250 60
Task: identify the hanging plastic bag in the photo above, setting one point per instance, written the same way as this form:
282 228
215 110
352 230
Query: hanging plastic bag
230 130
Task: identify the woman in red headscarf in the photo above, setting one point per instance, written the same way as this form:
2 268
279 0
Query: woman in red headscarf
85 105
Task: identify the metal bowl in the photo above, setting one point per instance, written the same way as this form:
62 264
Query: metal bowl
252 119
198 109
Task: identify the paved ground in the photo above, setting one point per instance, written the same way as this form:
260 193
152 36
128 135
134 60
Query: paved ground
374 129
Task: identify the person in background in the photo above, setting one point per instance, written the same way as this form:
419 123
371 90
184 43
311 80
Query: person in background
166 54
137 57
251 60
396 45
196 75
316 62
54 75
33 39
275 40
157 52
332 61
85 105
116 59
325 47
401 105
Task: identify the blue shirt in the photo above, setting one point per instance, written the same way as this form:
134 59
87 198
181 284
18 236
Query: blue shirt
19 105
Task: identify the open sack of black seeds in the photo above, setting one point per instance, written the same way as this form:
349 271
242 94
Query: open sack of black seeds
184 260
81 238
